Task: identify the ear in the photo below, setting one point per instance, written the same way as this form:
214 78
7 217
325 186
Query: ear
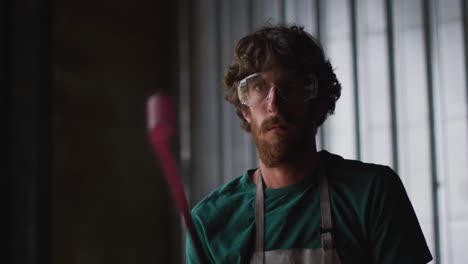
246 115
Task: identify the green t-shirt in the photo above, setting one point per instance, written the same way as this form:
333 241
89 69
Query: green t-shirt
373 218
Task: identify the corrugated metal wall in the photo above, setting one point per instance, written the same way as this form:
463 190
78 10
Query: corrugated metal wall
402 65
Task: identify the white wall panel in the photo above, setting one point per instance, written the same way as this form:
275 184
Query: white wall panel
452 126
339 130
413 112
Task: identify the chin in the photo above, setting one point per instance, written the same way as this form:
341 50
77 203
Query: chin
275 153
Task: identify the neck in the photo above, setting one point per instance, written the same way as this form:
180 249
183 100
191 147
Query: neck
290 173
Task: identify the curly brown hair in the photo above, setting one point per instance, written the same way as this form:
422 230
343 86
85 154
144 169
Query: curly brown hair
288 46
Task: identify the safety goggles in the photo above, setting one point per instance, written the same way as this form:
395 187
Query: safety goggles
256 88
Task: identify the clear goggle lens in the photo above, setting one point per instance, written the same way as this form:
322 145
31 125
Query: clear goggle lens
254 89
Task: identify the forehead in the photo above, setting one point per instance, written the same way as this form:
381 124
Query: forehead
279 74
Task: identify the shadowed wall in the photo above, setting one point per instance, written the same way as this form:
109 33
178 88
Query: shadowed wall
110 199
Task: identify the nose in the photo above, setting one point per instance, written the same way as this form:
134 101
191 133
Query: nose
272 100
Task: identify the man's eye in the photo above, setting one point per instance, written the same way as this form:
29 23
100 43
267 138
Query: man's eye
259 87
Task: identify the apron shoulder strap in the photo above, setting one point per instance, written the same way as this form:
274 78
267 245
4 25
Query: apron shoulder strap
260 217
326 229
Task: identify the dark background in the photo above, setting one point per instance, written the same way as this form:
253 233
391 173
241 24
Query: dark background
83 184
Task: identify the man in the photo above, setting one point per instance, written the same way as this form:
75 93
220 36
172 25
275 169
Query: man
300 205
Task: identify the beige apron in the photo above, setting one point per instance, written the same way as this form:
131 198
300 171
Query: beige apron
325 255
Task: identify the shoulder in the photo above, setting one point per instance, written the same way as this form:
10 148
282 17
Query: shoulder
223 200
377 197
339 166
361 180
354 171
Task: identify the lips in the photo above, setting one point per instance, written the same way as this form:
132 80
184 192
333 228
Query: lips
278 123
282 127
277 128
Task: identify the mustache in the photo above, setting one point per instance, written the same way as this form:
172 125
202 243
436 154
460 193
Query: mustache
278 120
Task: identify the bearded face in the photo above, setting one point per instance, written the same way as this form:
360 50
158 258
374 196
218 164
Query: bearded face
283 138
281 113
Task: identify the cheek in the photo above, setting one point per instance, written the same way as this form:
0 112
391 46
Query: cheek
254 123
255 117
301 112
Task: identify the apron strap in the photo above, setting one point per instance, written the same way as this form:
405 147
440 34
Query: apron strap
326 229
260 217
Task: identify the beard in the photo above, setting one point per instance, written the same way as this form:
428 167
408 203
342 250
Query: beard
286 146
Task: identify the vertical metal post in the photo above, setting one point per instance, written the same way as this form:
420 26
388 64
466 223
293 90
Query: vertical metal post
283 11
218 92
392 83
465 38
354 31
253 148
320 22
427 14
250 12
